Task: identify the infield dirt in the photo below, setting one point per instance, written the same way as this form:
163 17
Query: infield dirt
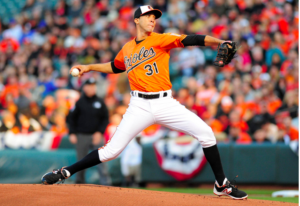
35 194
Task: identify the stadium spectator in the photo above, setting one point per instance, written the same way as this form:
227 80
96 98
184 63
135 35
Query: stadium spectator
236 135
260 136
87 123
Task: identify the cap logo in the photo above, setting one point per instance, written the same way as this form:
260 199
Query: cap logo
146 8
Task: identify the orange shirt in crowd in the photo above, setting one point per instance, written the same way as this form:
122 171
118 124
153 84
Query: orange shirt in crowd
253 106
284 48
274 105
242 107
241 124
10 89
151 130
244 138
144 61
256 83
216 126
293 134
15 130
113 80
284 67
59 130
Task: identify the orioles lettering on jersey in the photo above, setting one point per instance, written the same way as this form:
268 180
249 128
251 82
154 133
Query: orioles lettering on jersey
147 63
138 58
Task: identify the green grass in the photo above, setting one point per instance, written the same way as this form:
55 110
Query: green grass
261 194
281 199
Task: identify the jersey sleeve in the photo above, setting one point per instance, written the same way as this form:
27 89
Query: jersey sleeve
170 40
119 61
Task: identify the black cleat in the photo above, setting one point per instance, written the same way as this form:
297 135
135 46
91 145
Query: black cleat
228 189
58 175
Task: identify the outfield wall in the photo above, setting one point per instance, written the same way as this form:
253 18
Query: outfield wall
254 164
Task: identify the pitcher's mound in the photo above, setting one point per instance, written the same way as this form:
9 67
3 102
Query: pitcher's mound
13 194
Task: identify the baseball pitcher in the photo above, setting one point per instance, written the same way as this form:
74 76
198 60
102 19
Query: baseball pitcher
145 59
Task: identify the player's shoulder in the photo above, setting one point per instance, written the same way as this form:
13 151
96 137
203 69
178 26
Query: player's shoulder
159 37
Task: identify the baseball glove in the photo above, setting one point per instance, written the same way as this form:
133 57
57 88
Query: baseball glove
226 52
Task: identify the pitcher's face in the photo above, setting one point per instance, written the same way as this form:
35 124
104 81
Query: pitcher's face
147 22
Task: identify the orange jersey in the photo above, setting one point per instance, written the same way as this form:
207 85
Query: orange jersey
147 63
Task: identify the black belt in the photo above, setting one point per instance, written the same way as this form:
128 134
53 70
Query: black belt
151 96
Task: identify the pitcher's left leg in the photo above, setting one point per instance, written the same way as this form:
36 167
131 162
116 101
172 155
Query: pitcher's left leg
172 114
177 117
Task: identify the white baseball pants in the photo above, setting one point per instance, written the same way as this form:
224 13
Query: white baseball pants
165 111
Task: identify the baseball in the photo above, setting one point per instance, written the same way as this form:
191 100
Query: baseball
75 72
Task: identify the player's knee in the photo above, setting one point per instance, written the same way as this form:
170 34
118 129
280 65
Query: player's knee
106 154
208 139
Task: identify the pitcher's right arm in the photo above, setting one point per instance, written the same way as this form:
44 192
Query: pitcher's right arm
108 68
114 67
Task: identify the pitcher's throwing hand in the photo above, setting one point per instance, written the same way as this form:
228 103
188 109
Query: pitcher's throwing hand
82 69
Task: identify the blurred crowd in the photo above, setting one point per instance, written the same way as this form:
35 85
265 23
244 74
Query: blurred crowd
253 99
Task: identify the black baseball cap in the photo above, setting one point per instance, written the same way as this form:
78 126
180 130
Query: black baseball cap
90 81
141 10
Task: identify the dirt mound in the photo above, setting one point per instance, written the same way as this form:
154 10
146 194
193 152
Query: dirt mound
11 194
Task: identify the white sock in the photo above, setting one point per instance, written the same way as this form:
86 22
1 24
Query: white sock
68 173
224 182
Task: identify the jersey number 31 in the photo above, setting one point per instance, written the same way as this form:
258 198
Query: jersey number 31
150 69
